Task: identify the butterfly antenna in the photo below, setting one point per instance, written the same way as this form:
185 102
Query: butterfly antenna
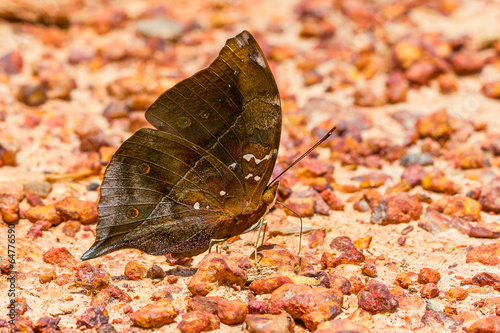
300 235
330 132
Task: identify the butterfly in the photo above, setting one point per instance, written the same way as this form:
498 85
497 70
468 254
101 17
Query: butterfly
203 173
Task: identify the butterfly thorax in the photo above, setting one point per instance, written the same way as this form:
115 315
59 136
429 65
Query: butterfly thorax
251 215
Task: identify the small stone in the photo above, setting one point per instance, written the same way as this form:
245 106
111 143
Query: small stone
106 328
421 72
160 27
74 209
92 140
341 326
154 315
135 271
487 254
332 200
436 126
47 213
447 83
406 279
109 295
491 89
157 295
32 94
489 324
10 196
466 62
304 207
490 196
456 294
63 279
276 256
229 312
156 272
197 321
428 275
60 257
215 270
422 159
458 206
397 87
486 279
397 209
363 243
376 298
37 228
41 189
301 302
11 63
436 181
413 174
46 324
47 275
269 284
8 154
260 323
91 277
93 317
369 270
430 290
71 227
316 238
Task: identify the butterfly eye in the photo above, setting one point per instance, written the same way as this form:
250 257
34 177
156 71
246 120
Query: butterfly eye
132 213
143 168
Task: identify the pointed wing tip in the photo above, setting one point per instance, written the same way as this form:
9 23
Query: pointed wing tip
96 250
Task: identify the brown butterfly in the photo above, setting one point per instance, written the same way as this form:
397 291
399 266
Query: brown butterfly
204 174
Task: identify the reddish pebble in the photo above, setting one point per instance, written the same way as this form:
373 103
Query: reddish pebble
74 209
487 254
93 317
489 324
376 298
154 315
430 290
428 275
90 276
47 213
229 311
60 257
135 271
260 323
71 227
456 294
197 321
109 295
369 270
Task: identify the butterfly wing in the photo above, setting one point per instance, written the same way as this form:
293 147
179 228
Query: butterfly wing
232 109
157 194
172 190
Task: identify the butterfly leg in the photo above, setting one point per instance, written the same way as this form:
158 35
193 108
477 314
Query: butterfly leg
216 241
264 232
261 223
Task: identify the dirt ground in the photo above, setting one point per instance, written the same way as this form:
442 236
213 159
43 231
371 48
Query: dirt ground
395 77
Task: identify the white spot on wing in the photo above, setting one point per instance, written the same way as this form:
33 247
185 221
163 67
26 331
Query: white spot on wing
256 178
249 176
222 193
196 205
232 166
242 40
248 157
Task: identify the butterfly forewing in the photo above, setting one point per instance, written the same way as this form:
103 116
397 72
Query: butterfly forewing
202 173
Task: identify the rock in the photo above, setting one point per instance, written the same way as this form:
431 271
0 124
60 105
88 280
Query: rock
74 209
71 227
349 255
490 196
487 254
301 302
213 271
156 272
277 256
428 275
60 257
10 196
430 290
458 206
489 324
269 323
46 324
491 89
109 295
197 321
422 159
316 238
135 271
93 317
456 294
398 209
369 270
341 326
91 277
406 279
436 126
47 213
376 298
436 181
32 94
413 174
160 27
155 314
228 311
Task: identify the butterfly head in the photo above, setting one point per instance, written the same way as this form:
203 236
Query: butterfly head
270 194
